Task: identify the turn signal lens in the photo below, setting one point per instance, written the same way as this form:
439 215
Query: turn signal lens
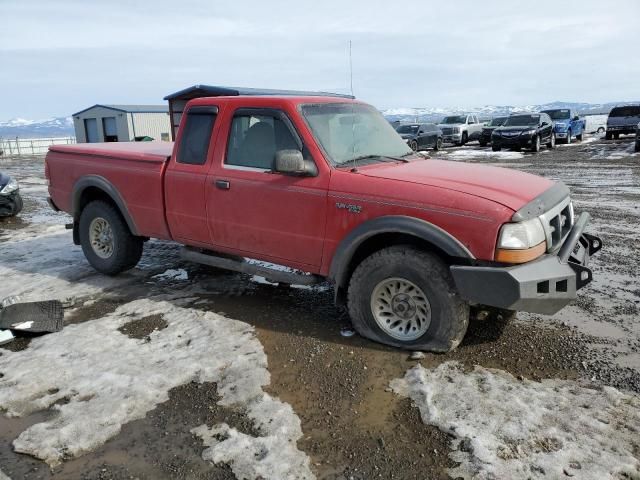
506 255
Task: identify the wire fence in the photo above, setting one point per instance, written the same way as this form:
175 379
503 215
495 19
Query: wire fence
31 146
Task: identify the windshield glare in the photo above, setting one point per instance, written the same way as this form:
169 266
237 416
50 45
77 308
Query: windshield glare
497 122
558 114
408 129
522 120
351 130
455 119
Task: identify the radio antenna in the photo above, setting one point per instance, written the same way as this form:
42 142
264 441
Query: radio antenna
350 69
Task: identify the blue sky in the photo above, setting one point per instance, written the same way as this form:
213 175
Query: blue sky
57 57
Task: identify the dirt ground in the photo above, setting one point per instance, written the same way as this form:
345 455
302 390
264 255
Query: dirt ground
354 427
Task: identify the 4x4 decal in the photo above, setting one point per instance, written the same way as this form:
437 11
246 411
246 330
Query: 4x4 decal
348 206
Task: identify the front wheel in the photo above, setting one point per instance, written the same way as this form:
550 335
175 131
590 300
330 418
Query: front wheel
438 145
552 141
495 148
465 138
579 137
413 145
106 240
405 297
535 145
568 137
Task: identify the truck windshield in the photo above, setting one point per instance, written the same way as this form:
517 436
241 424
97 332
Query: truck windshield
455 119
522 120
349 131
408 129
630 111
497 122
562 114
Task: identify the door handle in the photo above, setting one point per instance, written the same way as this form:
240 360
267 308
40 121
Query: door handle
223 184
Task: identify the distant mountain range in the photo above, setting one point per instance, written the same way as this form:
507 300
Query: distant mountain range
51 127
63 126
488 111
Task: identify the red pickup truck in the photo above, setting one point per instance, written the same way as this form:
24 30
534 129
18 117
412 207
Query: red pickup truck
326 187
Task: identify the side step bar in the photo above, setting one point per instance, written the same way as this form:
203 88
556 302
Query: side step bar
239 264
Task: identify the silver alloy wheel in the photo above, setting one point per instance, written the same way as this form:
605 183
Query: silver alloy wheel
401 309
553 140
101 237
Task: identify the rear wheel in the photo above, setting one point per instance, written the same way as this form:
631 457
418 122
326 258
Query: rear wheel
579 137
601 130
405 297
608 136
495 148
106 240
616 136
482 143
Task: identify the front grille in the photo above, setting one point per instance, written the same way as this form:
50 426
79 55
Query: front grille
447 131
557 223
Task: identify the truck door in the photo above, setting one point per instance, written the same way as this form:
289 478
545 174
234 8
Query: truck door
186 177
255 211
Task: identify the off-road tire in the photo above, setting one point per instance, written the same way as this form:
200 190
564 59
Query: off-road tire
568 139
482 143
616 136
608 136
127 248
449 312
552 141
464 139
495 148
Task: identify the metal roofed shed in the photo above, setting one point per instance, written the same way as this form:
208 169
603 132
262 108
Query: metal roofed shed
178 100
121 123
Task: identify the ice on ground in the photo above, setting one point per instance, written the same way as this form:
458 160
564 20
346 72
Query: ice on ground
488 154
506 428
96 379
271 456
173 274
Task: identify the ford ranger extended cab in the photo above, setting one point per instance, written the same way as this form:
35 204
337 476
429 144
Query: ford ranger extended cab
567 124
326 187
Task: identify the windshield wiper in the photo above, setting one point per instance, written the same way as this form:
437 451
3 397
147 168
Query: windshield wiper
382 158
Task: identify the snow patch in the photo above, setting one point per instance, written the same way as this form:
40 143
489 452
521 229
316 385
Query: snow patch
469 153
107 379
3 476
173 274
506 428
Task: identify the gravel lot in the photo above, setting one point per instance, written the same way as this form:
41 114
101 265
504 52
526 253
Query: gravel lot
353 424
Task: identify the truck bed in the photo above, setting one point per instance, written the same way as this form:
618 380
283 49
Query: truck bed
140 185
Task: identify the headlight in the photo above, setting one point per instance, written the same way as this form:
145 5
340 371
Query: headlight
10 187
456 129
529 132
521 242
521 234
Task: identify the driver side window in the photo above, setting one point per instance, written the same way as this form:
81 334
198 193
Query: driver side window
255 138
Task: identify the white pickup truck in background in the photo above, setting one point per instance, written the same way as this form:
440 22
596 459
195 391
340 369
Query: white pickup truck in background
460 129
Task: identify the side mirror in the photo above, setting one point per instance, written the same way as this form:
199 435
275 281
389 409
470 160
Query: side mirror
576 118
291 162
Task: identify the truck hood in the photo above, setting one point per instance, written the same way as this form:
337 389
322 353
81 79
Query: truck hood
505 186
445 125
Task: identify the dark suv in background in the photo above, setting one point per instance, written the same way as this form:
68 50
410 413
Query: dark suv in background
622 120
487 130
421 135
524 130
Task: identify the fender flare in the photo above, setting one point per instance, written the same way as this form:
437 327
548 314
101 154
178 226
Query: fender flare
422 229
112 192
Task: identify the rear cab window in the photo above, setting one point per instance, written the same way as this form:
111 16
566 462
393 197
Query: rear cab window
629 111
196 137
